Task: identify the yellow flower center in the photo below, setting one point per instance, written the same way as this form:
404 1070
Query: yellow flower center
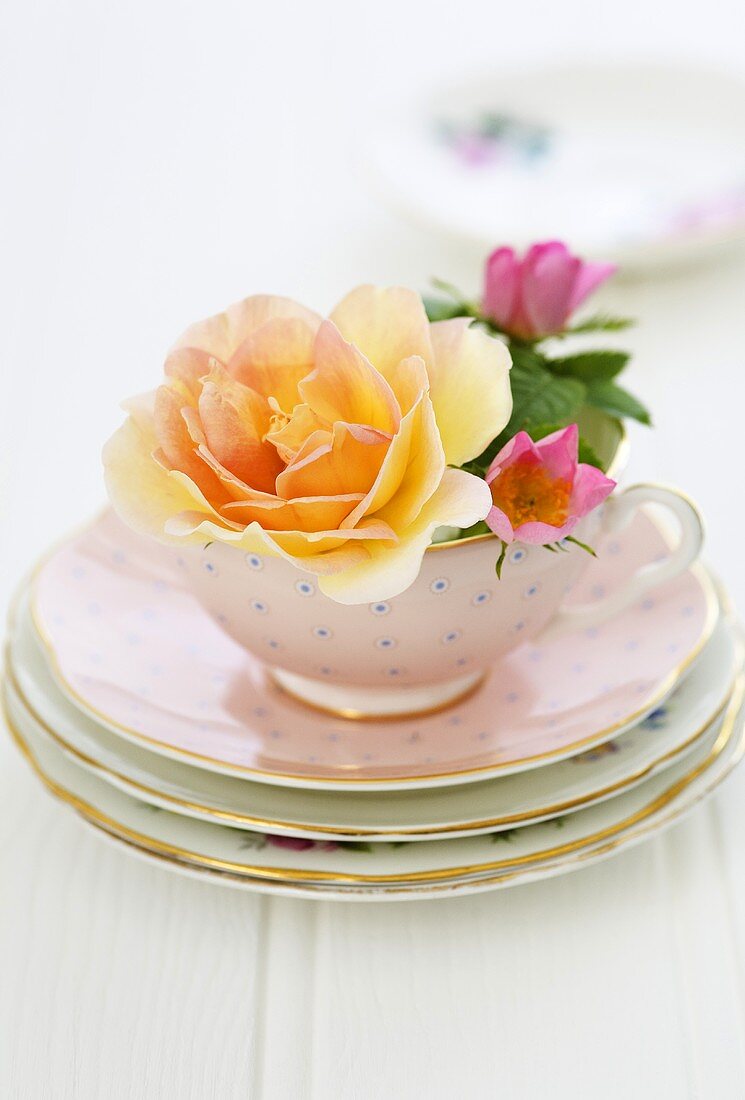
528 494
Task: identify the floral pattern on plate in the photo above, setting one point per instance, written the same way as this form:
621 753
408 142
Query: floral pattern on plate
468 809
542 849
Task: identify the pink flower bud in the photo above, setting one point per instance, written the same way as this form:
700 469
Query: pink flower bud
535 297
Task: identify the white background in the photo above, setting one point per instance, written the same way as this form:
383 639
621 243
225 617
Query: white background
160 160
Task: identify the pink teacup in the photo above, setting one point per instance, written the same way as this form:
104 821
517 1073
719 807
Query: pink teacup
434 643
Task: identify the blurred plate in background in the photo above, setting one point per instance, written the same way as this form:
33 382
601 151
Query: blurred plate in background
638 163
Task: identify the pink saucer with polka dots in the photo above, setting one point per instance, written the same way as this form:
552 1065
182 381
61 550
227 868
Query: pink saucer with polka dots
132 647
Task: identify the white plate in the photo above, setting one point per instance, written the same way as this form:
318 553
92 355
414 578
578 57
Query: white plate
490 805
641 163
373 871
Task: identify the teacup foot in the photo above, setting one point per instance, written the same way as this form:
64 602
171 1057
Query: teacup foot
371 703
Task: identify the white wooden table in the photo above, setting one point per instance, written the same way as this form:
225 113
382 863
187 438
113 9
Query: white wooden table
159 161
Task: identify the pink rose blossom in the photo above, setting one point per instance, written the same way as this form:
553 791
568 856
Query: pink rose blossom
535 296
540 491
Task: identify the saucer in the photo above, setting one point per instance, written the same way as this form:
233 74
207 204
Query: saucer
381 871
136 651
665 735
639 163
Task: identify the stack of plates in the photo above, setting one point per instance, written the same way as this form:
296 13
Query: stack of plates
133 707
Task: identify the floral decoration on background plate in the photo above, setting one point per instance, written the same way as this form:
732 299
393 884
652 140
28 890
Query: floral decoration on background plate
494 137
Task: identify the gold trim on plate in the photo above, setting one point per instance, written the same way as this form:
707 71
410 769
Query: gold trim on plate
380 783
293 827
290 875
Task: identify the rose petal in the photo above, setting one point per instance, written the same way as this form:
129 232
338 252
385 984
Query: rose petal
222 334
589 278
539 534
274 358
410 472
422 466
288 436
345 386
470 388
515 450
142 491
387 324
188 366
590 489
409 379
309 514
347 462
177 446
235 420
501 286
549 272
460 501
499 522
302 544
558 452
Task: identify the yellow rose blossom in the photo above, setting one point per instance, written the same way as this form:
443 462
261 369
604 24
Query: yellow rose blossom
329 442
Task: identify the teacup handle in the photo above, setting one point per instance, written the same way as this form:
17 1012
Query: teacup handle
619 510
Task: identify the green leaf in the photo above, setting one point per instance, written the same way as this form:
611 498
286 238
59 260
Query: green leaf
582 545
480 528
465 308
588 455
614 400
500 561
446 288
505 836
526 357
600 322
538 397
591 366
439 310
540 431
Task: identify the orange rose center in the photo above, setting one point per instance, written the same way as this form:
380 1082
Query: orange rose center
528 494
277 422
